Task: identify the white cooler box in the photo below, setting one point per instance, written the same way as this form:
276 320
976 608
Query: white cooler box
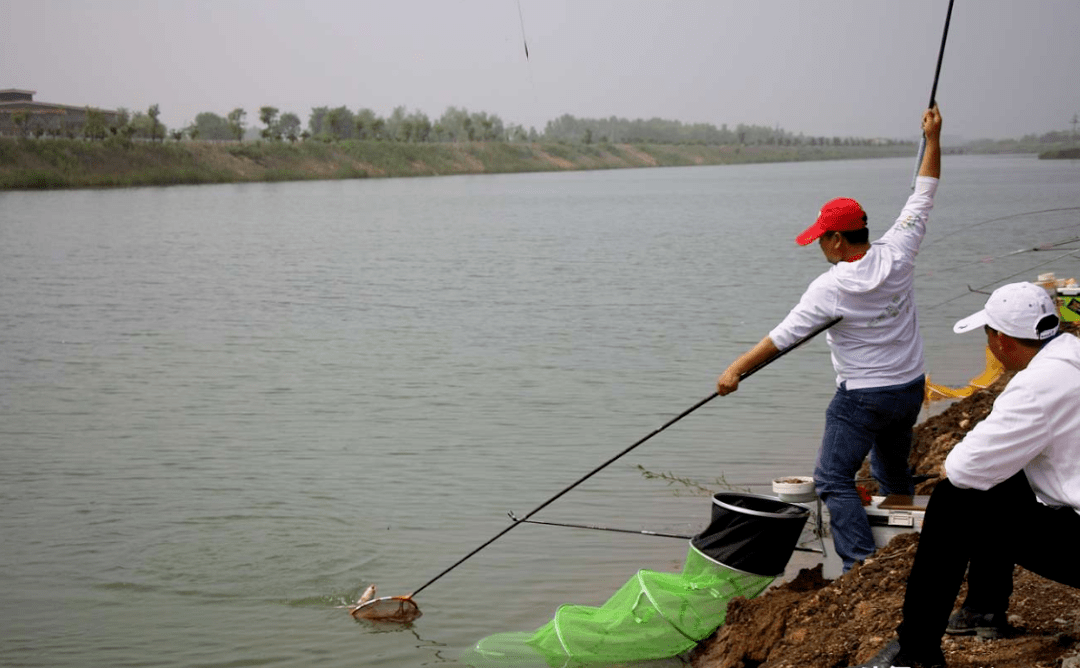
895 514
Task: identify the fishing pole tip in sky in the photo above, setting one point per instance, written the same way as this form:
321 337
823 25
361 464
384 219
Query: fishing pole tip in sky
521 19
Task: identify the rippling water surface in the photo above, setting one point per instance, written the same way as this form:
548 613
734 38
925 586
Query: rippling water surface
225 410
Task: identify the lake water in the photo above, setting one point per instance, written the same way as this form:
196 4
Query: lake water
225 410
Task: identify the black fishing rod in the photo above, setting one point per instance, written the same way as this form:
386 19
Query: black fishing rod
640 532
570 525
524 41
933 91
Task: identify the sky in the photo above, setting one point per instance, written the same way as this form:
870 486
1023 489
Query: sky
858 68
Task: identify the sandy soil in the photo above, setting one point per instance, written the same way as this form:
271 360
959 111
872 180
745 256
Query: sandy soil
815 623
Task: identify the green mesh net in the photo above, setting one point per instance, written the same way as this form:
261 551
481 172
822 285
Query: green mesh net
653 616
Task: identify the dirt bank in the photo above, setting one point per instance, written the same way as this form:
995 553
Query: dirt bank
73 163
814 623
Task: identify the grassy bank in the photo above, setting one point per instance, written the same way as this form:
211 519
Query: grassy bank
72 163
1061 154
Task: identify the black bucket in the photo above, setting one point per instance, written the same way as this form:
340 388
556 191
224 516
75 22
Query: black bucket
752 533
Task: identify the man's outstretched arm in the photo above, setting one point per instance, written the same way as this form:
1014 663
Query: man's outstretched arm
931 125
762 352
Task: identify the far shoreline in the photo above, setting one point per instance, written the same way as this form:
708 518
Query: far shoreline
43 164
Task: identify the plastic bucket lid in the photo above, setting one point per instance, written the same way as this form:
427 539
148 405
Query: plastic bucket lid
752 533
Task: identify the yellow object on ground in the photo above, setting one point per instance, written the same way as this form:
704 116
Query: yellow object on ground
991 373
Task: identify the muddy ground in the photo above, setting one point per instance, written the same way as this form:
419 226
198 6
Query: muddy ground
815 623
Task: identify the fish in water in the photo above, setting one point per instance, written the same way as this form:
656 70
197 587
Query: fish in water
368 594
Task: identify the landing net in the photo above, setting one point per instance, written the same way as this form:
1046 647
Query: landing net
658 615
400 609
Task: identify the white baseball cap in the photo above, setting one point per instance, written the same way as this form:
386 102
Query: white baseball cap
1020 310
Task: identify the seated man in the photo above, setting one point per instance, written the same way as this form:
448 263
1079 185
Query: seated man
1012 493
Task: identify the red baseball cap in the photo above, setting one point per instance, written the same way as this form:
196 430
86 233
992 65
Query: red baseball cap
842 214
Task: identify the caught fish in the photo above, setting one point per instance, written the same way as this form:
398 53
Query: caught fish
368 594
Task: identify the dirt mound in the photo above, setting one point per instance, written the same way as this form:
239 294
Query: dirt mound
815 623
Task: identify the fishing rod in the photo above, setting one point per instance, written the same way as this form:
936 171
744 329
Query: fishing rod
405 608
524 41
933 91
1004 278
998 220
1042 248
643 532
618 530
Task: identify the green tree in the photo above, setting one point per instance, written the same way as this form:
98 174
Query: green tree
405 127
488 127
316 120
156 128
370 125
211 127
141 125
21 119
95 126
365 124
268 115
120 121
517 133
340 123
289 126
454 125
420 125
236 123
397 128
334 124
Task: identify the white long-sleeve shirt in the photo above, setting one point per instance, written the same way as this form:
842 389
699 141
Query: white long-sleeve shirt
877 343
1034 426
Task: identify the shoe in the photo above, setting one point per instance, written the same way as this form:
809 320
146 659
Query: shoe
893 656
965 622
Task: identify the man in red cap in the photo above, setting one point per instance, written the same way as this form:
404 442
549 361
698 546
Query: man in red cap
877 351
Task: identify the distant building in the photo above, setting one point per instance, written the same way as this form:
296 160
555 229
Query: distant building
52 119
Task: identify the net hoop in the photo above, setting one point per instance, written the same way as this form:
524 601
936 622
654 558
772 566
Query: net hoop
400 609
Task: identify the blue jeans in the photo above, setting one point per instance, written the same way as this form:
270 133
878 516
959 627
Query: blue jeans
875 421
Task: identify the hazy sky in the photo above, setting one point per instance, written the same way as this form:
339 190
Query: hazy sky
820 67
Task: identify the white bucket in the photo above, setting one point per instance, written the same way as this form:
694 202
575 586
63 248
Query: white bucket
794 488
